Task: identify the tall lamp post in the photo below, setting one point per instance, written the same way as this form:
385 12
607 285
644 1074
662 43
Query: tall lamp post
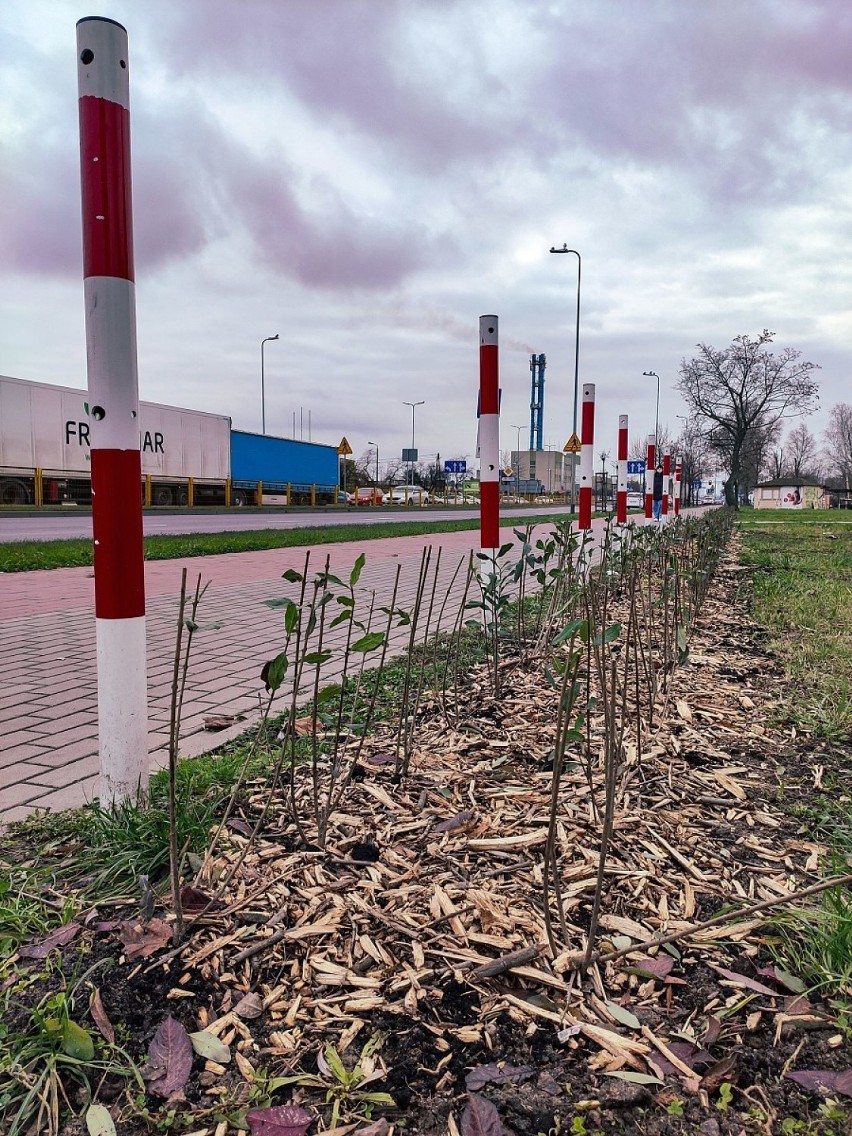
654 375
376 444
565 249
518 464
263 343
412 405
604 456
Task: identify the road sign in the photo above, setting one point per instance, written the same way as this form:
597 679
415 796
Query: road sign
573 445
409 455
635 467
697 484
344 447
455 467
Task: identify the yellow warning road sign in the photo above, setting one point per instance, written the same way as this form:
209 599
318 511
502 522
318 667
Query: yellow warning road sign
573 445
344 447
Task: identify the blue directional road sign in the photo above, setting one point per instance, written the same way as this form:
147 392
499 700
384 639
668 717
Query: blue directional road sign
455 467
635 467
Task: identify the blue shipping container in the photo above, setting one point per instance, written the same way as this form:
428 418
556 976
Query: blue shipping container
278 462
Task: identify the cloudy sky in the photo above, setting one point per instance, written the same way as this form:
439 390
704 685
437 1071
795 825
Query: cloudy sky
365 178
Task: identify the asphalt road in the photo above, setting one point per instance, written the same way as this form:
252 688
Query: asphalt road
61 526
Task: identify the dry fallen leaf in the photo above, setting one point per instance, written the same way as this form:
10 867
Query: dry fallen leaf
169 1059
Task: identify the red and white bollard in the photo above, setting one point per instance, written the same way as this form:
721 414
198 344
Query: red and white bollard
667 473
621 498
587 455
650 469
110 299
489 442
677 479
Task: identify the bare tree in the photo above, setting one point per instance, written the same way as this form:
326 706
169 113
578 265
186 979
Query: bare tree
838 442
758 451
741 392
365 468
776 465
393 471
692 448
637 447
802 452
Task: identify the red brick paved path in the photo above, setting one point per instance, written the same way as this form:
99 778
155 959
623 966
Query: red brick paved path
48 691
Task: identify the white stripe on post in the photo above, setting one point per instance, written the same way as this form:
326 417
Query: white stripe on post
110 305
621 500
587 455
677 479
667 473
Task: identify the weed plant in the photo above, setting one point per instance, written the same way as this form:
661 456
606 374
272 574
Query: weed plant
49 1063
815 943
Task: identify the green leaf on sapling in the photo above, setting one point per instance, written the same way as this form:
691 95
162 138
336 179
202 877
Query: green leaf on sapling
355 574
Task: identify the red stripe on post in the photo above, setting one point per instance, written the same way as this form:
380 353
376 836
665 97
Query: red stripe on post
489 401
105 181
117 526
489 514
585 508
587 427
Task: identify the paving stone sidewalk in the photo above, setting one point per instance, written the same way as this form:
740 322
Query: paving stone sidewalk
48 682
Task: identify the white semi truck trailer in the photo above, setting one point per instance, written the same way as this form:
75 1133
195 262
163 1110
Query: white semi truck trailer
44 447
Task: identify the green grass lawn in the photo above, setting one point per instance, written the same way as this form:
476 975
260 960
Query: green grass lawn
802 594
33 555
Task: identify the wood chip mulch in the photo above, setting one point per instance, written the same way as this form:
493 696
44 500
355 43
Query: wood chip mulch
425 908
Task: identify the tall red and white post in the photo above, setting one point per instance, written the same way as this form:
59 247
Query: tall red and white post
650 467
489 442
667 474
587 456
110 300
621 495
677 479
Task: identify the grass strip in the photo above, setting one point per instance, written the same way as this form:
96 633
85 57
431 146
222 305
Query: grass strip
802 594
37 555
801 583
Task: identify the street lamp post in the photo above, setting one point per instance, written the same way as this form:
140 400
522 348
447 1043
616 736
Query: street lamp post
565 249
263 342
412 405
376 444
604 456
654 375
518 464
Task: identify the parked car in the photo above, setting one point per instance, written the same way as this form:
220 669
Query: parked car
634 501
343 497
365 495
408 495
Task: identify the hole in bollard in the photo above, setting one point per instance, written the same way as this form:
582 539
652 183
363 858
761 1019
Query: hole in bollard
122 64
87 55
98 413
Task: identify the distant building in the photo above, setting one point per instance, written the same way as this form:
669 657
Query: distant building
551 467
791 493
